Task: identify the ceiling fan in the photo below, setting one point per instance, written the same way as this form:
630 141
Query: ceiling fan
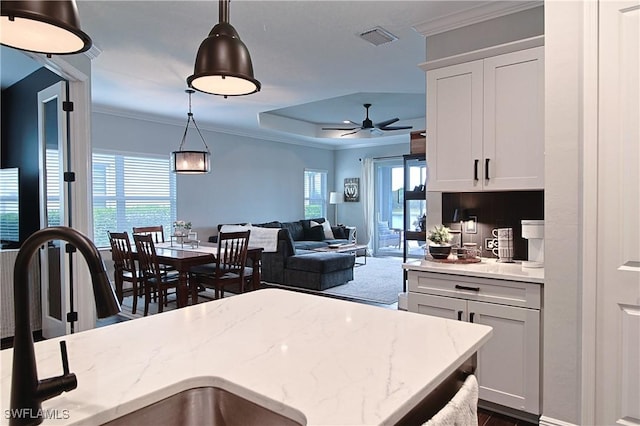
367 124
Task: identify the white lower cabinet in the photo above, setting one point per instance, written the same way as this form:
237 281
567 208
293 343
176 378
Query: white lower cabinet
509 363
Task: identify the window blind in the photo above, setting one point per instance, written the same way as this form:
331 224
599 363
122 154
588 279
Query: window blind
9 205
315 193
131 191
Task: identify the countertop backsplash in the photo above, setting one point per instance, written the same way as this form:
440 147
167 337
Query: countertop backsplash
495 210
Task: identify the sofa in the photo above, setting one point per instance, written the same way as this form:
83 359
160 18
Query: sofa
294 262
306 236
306 269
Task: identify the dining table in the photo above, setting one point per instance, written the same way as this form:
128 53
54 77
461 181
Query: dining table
182 257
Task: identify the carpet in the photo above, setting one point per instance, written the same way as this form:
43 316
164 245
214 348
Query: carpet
379 281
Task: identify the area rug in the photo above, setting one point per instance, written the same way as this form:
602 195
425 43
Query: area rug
379 282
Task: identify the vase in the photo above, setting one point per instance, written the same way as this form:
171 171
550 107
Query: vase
440 251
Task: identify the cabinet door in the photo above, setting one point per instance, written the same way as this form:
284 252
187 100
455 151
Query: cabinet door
454 127
513 141
437 306
509 363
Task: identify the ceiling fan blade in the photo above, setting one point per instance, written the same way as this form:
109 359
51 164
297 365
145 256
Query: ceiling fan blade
339 128
350 133
396 128
387 122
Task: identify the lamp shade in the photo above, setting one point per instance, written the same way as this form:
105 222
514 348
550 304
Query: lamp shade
223 65
50 27
191 162
334 198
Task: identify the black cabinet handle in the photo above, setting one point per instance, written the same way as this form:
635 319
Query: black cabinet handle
471 315
475 169
460 315
464 287
486 168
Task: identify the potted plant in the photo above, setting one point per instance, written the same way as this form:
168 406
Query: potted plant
439 238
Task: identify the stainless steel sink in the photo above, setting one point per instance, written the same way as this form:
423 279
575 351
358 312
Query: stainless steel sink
204 406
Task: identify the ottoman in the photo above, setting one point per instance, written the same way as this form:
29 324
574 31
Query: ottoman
319 270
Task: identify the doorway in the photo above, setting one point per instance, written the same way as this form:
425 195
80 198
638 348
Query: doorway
54 194
388 206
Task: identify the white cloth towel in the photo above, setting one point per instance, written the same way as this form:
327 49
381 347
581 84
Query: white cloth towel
462 410
267 238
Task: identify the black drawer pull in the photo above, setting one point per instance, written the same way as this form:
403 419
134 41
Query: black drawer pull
460 315
471 315
464 287
475 169
486 168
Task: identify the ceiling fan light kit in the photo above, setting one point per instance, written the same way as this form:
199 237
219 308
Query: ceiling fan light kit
191 162
49 27
375 129
223 65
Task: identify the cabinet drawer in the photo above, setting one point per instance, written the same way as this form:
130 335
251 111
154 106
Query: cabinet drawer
504 292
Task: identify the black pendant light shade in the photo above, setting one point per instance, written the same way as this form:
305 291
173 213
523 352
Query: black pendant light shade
46 26
223 64
191 162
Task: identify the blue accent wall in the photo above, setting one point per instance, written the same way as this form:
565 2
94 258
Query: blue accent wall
20 142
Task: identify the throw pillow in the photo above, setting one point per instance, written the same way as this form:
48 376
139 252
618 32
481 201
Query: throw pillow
340 233
328 233
314 233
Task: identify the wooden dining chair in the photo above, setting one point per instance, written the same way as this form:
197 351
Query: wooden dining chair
157 231
124 267
229 267
152 276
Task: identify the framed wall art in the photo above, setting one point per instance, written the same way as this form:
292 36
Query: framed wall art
351 190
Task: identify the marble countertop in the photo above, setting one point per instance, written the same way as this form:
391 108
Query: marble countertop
486 268
318 360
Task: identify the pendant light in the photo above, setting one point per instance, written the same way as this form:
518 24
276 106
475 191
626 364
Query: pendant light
223 64
191 162
46 26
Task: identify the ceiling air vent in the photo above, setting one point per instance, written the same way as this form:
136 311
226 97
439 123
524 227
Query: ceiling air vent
378 36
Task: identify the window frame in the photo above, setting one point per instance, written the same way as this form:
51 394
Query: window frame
113 187
320 200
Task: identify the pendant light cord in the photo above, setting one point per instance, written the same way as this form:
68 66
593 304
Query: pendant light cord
186 129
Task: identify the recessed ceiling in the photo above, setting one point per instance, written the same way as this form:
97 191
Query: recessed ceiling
308 55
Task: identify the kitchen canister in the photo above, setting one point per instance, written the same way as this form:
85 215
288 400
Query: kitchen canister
504 251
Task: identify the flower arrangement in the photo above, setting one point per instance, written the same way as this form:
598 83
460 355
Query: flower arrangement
181 227
182 224
440 235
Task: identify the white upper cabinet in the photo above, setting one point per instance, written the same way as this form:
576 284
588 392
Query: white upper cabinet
485 124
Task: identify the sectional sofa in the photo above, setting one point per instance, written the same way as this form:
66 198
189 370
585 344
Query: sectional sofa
295 264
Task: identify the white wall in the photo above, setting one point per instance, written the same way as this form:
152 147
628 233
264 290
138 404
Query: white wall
563 210
252 180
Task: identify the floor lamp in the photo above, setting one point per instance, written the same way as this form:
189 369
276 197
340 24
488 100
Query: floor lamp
334 198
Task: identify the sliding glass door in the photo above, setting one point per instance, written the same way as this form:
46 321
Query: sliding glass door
388 214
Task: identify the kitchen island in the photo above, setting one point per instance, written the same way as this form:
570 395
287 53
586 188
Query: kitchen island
316 360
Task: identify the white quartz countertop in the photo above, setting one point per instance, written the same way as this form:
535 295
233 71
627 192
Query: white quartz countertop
318 360
486 268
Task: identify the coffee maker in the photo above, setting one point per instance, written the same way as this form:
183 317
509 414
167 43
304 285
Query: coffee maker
533 230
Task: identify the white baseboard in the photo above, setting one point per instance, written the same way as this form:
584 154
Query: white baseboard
548 421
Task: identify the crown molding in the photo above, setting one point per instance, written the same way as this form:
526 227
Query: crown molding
485 11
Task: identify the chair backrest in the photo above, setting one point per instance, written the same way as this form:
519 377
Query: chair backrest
147 258
156 231
232 252
121 252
